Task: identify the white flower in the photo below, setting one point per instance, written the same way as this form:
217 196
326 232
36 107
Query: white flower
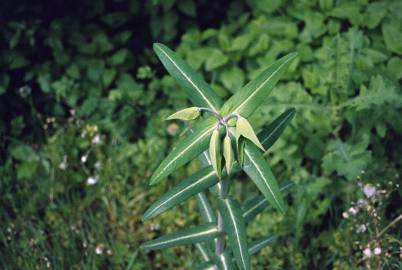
345 215
367 253
377 251
84 158
92 180
369 190
63 166
96 139
361 229
99 249
98 165
353 210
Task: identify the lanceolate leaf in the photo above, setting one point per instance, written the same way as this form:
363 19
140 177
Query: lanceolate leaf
252 95
193 235
206 253
199 92
187 188
236 231
228 154
206 266
256 167
256 246
226 261
207 214
244 128
256 205
269 135
184 151
215 152
185 114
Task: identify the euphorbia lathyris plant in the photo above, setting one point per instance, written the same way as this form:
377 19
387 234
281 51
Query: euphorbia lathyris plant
226 143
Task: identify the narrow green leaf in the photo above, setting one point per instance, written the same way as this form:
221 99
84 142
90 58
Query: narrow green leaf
256 167
199 92
184 151
226 261
206 253
228 154
236 231
207 213
256 205
190 186
269 135
257 245
244 128
205 266
240 150
193 235
185 114
215 152
253 94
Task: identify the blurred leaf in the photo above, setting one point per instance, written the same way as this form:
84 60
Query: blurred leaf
215 60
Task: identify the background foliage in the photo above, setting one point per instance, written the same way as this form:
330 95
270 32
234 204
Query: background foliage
82 103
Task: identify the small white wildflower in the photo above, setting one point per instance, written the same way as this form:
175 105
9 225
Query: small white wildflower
99 249
361 228
96 139
84 158
24 91
63 166
109 252
369 190
353 210
345 215
367 253
98 165
92 180
83 134
377 251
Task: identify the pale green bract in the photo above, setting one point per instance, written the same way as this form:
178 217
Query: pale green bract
204 141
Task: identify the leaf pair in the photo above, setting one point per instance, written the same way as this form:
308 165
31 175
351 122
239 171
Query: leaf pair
215 153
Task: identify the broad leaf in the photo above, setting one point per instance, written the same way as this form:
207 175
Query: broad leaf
256 167
236 231
256 205
193 235
207 213
256 246
184 151
184 190
253 94
199 92
269 135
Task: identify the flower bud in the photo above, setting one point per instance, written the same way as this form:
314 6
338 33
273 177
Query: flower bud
185 114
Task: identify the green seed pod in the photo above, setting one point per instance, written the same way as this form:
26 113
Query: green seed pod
215 152
228 153
190 113
246 130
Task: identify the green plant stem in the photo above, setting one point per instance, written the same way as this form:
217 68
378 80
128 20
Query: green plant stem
223 192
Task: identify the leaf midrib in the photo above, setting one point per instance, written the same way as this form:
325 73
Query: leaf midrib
184 150
262 176
189 80
232 217
259 87
181 192
210 231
